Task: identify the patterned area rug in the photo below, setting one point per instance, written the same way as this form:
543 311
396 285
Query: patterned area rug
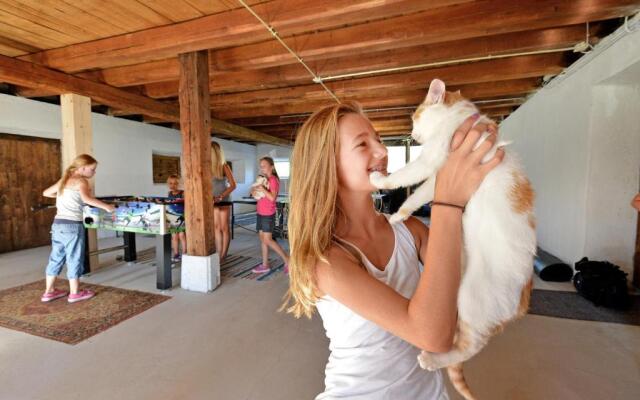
22 310
240 266
237 265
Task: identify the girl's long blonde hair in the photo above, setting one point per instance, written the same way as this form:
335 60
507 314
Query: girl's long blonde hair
313 210
217 160
80 161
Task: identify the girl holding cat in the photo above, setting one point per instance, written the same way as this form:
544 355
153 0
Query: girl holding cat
363 274
266 213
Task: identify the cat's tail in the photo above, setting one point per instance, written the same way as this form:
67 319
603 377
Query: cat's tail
459 383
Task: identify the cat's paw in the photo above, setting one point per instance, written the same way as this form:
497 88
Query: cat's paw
427 361
400 216
378 180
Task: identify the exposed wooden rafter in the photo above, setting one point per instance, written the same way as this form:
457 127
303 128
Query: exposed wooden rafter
380 53
24 73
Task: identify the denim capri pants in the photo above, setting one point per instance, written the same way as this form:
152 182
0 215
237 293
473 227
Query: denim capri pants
67 244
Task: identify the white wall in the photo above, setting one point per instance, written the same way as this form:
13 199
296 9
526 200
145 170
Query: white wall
124 148
580 144
614 168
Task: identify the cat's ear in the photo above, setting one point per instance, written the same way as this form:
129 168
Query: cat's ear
436 92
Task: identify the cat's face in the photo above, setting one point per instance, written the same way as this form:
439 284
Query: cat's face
262 180
434 110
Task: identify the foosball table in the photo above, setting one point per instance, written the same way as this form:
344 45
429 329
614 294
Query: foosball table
160 216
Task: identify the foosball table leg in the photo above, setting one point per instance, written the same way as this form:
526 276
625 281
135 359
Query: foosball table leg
163 261
87 260
129 239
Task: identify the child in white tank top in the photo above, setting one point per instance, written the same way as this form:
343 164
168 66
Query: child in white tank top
365 276
67 231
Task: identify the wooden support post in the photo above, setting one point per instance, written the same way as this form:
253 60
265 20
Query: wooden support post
77 138
195 125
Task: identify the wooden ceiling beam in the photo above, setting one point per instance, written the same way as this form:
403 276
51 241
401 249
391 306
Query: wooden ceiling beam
225 79
489 74
233 28
482 79
499 111
300 119
432 26
290 75
295 74
497 76
24 73
390 124
310 106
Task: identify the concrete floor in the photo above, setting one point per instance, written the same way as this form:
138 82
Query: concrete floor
232 344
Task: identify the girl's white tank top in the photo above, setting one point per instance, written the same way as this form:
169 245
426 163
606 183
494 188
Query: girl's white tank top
367 362
69 205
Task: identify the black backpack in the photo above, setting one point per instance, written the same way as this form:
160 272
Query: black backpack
603 283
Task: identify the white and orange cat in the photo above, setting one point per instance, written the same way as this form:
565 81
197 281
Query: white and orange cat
498 230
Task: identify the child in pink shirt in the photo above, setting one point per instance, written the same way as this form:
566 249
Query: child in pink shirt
266 210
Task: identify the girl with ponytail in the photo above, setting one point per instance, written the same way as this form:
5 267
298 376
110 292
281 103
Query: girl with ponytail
71 192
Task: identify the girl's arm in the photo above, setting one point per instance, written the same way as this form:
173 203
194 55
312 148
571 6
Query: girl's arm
52 190
232 182
87 198
428 319
272 192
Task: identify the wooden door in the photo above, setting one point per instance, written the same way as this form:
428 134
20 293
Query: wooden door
28 165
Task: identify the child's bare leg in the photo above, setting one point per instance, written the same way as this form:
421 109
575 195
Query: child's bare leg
265 248
50 285
183 242
276 247
74 285
174 244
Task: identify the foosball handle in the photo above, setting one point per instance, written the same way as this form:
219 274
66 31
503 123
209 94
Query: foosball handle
40 207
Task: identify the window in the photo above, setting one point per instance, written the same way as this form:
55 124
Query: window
282 167
163 166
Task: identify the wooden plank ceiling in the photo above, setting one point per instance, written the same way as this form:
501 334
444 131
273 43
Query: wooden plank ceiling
495 51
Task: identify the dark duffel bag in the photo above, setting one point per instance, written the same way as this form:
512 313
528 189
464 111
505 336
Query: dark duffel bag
603 283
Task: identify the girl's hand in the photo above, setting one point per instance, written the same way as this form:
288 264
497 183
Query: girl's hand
110 208
462 173
635 203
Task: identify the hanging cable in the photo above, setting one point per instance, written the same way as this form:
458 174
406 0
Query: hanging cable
438 64
273 32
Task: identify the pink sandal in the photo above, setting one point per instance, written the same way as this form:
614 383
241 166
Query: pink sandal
81 295
56 294
261 269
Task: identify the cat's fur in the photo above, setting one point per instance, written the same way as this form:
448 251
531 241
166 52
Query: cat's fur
498 230
261 180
